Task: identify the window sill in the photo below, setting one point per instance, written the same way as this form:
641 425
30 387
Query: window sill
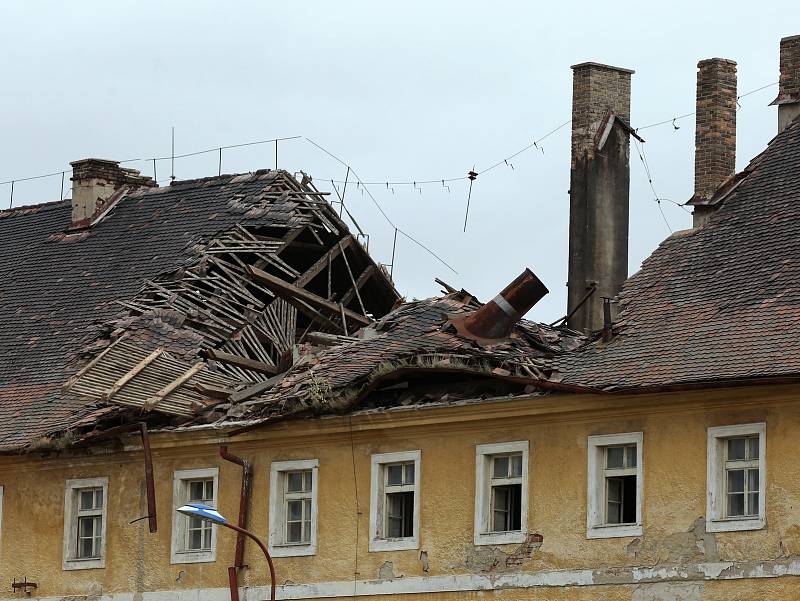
193 556
499 538
393 544
614 531
735 524
292 550
83 564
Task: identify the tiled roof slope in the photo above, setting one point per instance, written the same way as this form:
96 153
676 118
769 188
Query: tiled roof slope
721 302
57 288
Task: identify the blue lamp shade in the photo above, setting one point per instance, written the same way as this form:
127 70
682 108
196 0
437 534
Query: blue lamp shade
203 512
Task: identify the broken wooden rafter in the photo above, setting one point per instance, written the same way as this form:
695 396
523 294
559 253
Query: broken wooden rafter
323 262
243 362
159 396
290 291
117 386
362 279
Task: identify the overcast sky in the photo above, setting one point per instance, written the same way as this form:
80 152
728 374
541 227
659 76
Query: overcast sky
402 91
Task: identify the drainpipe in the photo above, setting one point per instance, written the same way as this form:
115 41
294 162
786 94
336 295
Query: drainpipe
244 505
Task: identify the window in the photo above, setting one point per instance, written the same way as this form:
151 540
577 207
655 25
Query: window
293 508
394 501
736 477
501 499
615 486
85 523
193 539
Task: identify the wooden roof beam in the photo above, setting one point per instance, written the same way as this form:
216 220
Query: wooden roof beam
290 291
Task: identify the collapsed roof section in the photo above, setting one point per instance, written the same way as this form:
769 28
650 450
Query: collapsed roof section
170 270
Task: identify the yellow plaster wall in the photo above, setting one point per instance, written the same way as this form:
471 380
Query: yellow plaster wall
675 438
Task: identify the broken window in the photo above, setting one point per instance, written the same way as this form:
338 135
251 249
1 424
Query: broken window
85 523
506 492
501 493
736 477
395 501
620 476
193 539
293 507
614 503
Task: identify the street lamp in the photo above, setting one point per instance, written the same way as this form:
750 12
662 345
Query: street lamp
209 514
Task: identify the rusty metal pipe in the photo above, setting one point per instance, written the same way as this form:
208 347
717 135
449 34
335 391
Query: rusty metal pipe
244 499
233 582
152 519
496 319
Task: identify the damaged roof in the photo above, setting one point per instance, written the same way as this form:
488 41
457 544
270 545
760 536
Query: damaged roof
157 270
717 303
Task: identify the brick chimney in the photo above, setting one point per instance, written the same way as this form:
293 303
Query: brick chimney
97 184
788 99
599 189
715 133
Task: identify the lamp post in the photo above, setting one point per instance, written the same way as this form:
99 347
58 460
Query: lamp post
209 514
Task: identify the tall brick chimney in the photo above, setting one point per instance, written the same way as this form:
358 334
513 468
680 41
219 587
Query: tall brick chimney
97 184
599 188
715 133
788 99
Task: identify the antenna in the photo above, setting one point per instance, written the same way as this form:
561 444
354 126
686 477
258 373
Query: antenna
172 156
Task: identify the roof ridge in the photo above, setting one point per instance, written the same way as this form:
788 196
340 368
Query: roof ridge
26 209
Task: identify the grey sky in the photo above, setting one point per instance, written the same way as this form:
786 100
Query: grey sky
401 91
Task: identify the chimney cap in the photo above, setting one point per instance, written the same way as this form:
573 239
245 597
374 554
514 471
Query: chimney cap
708 61
94 161
602 66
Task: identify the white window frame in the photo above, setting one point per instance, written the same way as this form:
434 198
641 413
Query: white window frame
483 494
70 559
180 496
715 506
277 545
596 486
377 542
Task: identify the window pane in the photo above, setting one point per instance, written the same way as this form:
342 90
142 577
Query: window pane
196 490
307 531
500 467
752 447
735 504
206 536
294 481
86 548
394 474
630 456
98 498
614 488
752 480
307 481
736 449
294 532
201 491
395 527
735 481
294 511
196 539
752 503
86 527
91 499
409 474
615 457
516 466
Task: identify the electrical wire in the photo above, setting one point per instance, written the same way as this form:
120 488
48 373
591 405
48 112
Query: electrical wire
380 208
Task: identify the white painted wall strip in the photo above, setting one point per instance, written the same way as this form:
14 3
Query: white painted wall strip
696 572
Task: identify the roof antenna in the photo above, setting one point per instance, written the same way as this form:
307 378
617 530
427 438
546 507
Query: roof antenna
172 156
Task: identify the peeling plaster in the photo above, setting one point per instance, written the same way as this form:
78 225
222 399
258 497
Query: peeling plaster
494 559
668 591
423 559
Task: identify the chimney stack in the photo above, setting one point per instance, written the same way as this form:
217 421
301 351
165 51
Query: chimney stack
788 99
599 190
715 133
97 184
